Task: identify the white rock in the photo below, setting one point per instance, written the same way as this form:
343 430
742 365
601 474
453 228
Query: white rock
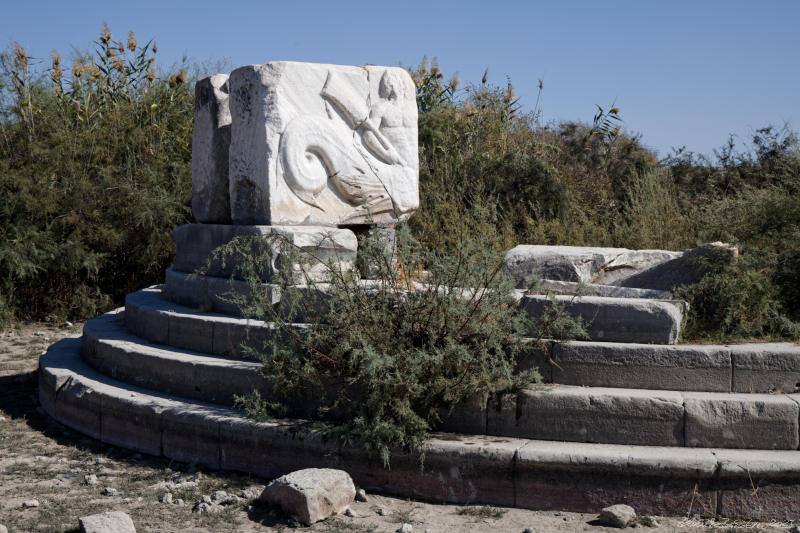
230 499
166 498
90 479
322 144
312 494
3 529
179 501
361 495
619 515
27 504
218 495
211 140
110 522
349 512
405 528
382 512
2 419
525 263
110 491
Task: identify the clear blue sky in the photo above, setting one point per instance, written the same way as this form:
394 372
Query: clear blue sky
682 72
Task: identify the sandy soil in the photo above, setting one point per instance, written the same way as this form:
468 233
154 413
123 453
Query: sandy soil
43 460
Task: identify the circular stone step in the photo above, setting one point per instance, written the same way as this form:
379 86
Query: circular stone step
755 367
560 413
458 469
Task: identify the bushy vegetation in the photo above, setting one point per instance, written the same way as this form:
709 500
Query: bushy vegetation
382 361
593 184
94 174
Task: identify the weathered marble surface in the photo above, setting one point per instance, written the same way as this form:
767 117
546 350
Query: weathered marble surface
211 141
316 144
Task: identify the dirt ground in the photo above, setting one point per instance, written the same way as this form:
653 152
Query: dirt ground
43 460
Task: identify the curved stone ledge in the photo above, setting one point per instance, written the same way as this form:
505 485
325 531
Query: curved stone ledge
634 320
152 318
458 468
112 351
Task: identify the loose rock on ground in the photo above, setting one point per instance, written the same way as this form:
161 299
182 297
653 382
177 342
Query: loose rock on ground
619 515
312 494
109 522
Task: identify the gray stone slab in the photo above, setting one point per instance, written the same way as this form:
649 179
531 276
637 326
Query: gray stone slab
753 421
685 269
594 289
325 249
211 140
132 425
609 416
527 263
150 324
615 319
618 459
458 468
758 464
191 433
643 366
766 367
192 332
468 417
208 293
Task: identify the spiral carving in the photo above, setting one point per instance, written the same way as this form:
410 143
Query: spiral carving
311 154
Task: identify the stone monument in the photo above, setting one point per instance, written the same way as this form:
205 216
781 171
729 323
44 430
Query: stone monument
303 144
305 150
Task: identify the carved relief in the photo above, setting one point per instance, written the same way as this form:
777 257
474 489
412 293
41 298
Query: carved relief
338 144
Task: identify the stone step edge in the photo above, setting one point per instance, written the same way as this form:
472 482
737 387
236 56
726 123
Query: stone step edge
458 469
578 414
110 349
768 367
634 319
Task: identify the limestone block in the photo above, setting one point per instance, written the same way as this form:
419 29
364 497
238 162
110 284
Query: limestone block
211 141
109 522
615 319
322 248
753 421
319 144
525 263
766 367
643 366
591 414
685 269
311 494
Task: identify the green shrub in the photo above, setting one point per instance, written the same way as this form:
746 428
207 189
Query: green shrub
385 359
94 172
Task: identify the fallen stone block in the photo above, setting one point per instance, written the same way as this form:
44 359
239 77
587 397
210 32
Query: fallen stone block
312 494
109 522
527 263
619 515
686 269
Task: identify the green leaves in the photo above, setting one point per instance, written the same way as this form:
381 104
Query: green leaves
385 359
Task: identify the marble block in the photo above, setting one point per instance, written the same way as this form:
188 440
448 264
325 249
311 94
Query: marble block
329 145
211 141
